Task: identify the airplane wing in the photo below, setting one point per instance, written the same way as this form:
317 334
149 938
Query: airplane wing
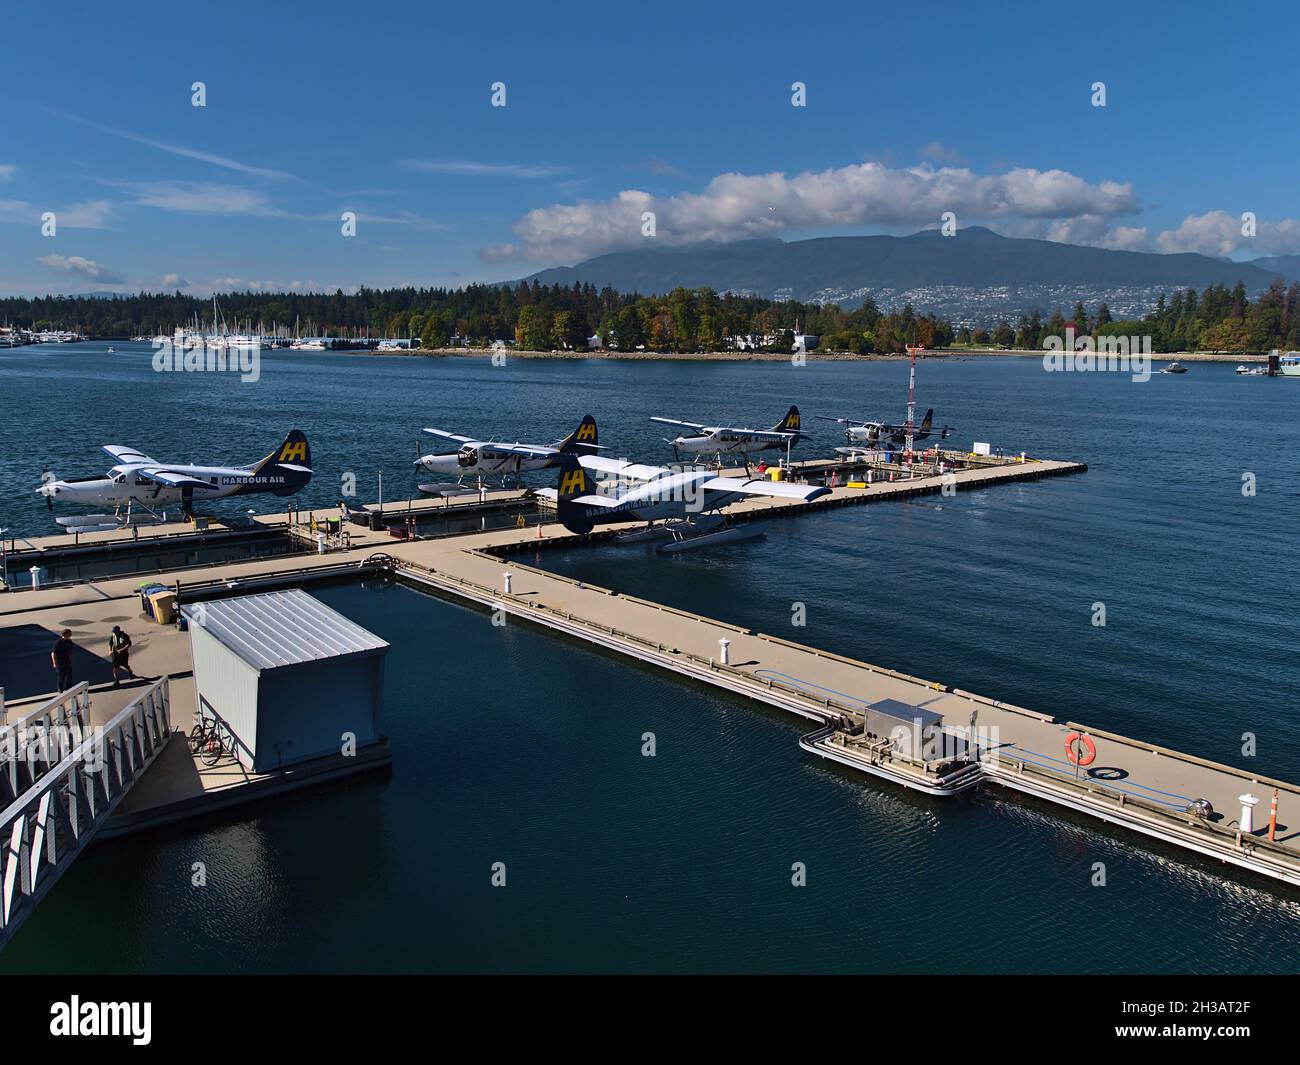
841 421
125 454
674 421
776 436
636 471
528 451
761 487
173 479
448 436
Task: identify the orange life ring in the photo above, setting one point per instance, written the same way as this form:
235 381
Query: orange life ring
1089 749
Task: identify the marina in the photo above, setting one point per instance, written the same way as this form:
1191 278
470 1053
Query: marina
898 579
917 734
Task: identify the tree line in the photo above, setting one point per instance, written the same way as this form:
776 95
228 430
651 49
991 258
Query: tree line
562 317
1218 319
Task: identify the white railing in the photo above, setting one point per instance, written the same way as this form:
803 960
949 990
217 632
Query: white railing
33 744
53 821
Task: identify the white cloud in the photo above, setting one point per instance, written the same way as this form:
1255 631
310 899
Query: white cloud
736 206
76 266
7 171
471 169
93 214
1089 230
199 197
941 153
1220 233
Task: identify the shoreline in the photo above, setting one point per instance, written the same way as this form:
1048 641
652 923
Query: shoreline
764 356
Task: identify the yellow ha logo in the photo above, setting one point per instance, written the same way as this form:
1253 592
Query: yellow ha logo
572 483
586 430
294 450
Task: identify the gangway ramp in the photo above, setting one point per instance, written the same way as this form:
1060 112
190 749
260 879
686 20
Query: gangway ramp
33 744
53 821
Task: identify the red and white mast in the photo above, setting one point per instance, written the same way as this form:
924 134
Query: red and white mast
912 349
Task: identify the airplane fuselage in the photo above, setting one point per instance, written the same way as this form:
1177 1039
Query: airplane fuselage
725 443
675 495
124 485
485 459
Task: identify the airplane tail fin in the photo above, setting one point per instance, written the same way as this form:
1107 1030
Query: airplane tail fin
790 423
583 439
926 423
574 483
291 460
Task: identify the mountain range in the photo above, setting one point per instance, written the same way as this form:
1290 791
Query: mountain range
974 276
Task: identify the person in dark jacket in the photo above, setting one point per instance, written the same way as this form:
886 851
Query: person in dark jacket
61 659
119 648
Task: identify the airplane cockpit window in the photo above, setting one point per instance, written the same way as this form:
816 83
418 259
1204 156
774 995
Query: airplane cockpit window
120 479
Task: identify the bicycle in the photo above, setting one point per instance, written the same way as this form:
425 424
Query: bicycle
208 740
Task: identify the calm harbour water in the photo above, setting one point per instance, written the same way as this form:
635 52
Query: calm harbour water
515 745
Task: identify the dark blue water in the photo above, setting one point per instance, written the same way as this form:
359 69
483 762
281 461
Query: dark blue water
513 745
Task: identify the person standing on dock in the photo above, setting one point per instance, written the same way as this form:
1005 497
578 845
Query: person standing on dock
119 649
61 659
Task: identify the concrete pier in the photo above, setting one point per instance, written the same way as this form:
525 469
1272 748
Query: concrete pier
861 714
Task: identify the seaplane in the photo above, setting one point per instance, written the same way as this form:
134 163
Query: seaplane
495 459
684 503
881 436
722 440
138 480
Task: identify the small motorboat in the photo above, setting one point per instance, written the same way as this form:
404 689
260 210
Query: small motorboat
1251 371
1174 367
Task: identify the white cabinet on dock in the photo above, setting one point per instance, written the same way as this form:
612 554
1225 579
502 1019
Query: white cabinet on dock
290 678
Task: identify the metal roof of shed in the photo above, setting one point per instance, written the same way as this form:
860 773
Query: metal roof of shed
275 629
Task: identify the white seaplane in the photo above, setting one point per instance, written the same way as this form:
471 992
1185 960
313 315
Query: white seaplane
490 458
722 440
881 436
138 480
684 502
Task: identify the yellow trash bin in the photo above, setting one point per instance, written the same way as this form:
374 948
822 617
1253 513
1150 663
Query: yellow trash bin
163 606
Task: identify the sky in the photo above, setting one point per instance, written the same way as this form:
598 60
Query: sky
684 111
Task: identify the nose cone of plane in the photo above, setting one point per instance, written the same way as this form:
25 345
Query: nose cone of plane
438 463
50 490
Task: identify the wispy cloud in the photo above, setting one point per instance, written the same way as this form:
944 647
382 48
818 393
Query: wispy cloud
225 162
7 171
86 269
93 214
736 206
197 197
529 171
941 153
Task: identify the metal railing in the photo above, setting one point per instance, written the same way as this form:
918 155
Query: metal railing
33 744
51 823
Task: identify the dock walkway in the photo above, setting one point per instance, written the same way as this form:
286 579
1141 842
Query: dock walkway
1139 786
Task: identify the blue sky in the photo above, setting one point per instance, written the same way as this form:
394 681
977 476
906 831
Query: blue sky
384 109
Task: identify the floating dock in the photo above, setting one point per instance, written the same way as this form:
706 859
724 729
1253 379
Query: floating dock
920 734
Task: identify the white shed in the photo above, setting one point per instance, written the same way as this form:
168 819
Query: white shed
291 678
